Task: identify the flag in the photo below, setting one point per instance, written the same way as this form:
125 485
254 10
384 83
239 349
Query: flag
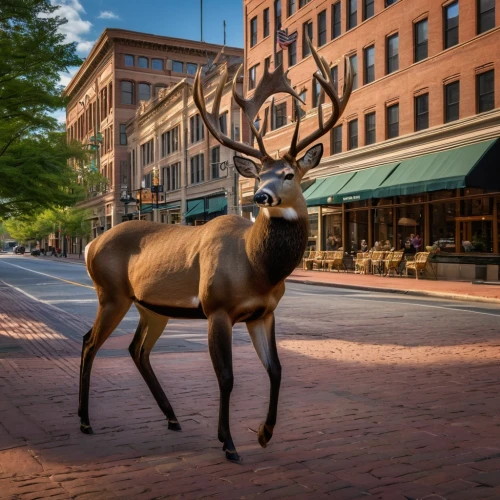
284 40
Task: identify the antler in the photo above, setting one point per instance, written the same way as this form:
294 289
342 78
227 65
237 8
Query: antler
270 83
327 87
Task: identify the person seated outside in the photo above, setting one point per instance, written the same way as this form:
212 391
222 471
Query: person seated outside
417 243
376 247
364 246
467 246
387 246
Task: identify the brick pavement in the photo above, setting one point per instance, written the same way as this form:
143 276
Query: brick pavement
365 412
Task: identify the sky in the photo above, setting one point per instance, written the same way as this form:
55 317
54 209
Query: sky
177 18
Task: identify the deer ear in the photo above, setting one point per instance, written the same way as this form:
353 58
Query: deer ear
246 167
312 158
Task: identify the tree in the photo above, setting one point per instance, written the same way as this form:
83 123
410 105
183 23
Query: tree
34 168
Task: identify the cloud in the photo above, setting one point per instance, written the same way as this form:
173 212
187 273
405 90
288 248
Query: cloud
60 115
76 29
66 77
107 14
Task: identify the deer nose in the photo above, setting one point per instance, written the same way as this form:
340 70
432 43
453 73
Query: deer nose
262 199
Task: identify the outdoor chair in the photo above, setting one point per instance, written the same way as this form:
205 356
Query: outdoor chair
334 259
419 263
317 263
394 263
362 262
377 262
308 261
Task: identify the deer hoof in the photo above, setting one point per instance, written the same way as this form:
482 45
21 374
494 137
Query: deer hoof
232 455
174 426
264 436
86 429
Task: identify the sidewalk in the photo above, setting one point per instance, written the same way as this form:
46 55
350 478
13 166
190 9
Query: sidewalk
456 290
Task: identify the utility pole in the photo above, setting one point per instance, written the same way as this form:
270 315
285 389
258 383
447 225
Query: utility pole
224 24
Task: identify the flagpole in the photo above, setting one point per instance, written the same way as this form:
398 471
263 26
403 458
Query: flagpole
201 20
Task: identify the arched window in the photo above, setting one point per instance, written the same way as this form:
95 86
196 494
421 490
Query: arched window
144 91
110 97
143 62
127 90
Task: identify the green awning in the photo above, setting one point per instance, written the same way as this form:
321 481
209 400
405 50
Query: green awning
449 169
170 206
195 207
323 190
146 208
360 186
217 204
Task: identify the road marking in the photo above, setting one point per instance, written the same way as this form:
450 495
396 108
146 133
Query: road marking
49 275
463 309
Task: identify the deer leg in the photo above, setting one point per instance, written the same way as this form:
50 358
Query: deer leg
148 331
264 341
219 345
109 315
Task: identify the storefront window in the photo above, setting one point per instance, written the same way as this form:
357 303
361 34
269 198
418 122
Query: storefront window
442 195
477 236
443 226
332 233
383 229
358 230
477 206
410 224
313 231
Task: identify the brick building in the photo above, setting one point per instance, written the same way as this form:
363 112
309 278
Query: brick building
169 146
426 83
123 69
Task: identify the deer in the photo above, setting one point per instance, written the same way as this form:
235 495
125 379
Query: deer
227 271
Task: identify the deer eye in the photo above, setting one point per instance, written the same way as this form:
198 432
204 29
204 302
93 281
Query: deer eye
288 177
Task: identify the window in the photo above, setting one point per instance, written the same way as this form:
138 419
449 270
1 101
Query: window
104 103
191 68
127 89
166 179
157 64
144 92
422 112
370 135
322 28
143 62
177 66
452 101
370 64
389 2
298 110
215 162
421 40
110 97
267 62
485 15
129 60
303 2
279 115
266 22
123 134
292 6
451 25
170 142
252 77
277 14
147 153
485 91
253 31
196 128
336 20
352 14
354 65
223 123
392 121
337 139
171 177
369 9
307 31
197 169
279 59
392 53
353 134
334 71
316 93
292 54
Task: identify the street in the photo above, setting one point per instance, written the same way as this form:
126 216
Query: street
384 396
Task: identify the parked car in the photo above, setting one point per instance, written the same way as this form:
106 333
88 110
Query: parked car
19 249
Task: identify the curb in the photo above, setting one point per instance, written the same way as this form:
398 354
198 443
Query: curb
418 293
59 259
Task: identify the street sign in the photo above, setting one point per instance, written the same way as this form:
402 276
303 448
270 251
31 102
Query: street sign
157 189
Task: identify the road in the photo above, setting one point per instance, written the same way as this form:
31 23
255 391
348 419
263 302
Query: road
385 396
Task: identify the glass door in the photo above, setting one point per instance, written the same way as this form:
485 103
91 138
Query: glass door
476 234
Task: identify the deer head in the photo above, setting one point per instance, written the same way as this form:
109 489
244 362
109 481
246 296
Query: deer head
279 179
